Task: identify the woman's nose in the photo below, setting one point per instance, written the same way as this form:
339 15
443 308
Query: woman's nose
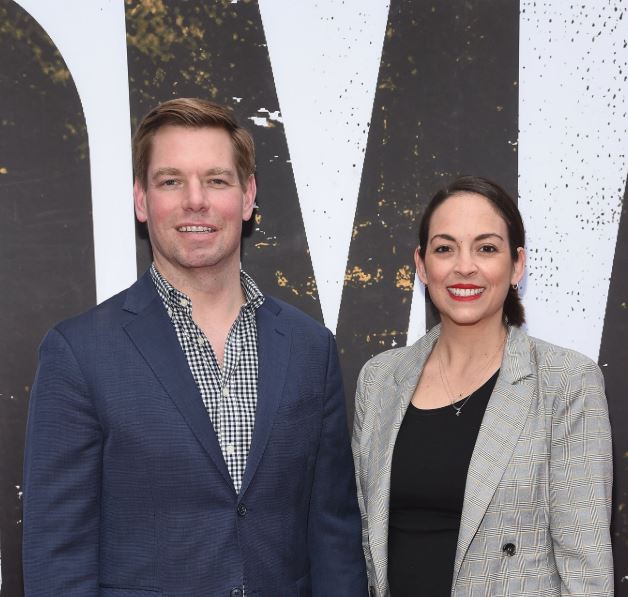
465 262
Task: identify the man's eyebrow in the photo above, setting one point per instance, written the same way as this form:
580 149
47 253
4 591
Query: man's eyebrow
165 172
219 170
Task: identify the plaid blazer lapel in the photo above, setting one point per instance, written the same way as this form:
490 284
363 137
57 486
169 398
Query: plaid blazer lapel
394 401
501 427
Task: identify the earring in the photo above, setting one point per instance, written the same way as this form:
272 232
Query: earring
515 287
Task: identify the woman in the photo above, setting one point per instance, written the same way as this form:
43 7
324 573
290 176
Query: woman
483 456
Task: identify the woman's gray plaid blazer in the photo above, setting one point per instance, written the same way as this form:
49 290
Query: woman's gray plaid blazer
540 477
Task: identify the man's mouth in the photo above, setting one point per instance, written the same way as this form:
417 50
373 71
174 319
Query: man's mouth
196 229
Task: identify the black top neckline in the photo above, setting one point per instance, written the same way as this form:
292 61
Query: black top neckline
426 412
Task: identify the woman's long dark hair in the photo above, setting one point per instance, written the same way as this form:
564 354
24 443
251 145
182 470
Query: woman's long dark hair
507 209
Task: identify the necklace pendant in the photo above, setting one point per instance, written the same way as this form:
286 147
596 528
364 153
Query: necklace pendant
458 412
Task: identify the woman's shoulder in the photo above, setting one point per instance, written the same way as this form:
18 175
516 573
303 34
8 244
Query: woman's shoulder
561 370
382 364
388 357
399 363
554 356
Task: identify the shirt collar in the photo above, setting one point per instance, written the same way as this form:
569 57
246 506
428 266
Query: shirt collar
177 300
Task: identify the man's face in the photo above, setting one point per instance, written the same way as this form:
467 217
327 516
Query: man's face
193 203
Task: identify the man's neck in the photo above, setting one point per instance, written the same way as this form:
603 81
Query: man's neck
216 296
215 290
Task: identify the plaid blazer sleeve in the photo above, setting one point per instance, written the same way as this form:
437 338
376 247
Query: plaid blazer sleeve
358 419
580 484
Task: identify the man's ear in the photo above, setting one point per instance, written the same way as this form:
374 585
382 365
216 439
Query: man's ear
139 201
248 198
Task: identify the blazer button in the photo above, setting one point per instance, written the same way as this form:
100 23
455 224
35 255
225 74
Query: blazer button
236 592
509 549
241 509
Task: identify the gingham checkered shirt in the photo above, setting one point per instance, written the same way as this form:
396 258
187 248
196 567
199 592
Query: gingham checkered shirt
230 393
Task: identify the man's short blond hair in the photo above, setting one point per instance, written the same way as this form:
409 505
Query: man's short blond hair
192 113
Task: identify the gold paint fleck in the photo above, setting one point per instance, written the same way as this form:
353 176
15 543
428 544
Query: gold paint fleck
3 170
308 287
383 338
281 279
359 226
359 277
404 279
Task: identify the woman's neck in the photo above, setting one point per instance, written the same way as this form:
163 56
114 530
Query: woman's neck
463 346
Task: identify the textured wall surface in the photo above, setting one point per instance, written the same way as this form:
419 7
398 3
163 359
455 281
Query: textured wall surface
360 111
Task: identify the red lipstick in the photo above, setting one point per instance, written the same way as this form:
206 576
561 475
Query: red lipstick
465 292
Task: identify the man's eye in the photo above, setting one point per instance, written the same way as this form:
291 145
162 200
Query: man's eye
169 182
217 182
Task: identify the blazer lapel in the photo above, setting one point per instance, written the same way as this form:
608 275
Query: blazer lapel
501 427
273 353
394 401
154 336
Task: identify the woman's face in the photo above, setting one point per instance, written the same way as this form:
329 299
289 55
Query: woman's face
468 267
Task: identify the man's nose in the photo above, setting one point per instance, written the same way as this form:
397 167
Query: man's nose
196 196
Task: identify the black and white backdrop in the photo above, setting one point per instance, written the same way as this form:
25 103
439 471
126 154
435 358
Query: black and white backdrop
360 109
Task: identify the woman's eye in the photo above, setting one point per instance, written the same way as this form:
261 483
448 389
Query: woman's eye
442 249
488 249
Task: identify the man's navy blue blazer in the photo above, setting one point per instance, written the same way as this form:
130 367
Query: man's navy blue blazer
126 492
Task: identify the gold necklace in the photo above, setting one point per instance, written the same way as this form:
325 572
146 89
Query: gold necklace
445 380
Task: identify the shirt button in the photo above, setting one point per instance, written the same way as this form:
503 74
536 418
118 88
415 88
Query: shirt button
509 549
236 592
200 340
230 449
183 302
241 509
225 392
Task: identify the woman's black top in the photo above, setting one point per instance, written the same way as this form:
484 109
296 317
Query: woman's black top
428 476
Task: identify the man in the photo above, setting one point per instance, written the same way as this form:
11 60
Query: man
187 437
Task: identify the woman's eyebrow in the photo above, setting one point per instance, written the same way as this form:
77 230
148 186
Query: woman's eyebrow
489 235
479 237
444 237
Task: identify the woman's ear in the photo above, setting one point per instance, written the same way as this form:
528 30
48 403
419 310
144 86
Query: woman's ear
420 266
519 266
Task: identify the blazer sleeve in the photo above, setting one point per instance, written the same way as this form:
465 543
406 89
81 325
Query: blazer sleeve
358 420
336 559
581 484
62 473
